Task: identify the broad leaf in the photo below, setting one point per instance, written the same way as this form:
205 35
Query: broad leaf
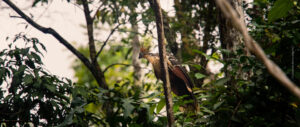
199 76
160 105
91 107
280 9
128 107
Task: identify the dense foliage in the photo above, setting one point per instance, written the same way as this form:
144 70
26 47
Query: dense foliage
29 93
242 93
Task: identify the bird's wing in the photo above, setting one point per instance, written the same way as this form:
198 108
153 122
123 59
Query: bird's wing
180 72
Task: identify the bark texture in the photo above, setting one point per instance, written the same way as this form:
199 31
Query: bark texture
229 36
163 63
135 55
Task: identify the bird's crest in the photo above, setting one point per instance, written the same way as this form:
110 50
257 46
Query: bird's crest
144 49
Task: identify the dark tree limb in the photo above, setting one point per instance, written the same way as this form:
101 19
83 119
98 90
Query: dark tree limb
90 30
63 41
108 106
52 32
163 63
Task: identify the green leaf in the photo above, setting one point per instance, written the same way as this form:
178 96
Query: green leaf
25 51
43 47
128 107
222 81
199 76
36 57
280 9
30 63
27 79
151 110
160 105
216 55
197 66
37 1
51 87
208 111
91 107
21 68
207 56
217 105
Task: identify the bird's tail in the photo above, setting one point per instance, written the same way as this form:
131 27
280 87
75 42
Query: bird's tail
191 107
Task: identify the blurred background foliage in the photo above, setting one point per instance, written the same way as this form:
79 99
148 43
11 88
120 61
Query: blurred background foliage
242 93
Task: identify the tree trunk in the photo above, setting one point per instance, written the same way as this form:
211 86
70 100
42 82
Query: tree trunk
162 58
229 36
135 52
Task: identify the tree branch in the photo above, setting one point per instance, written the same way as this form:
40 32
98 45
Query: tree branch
234 112
89 22
90 29
105 42
99 75
100 80
102 3
52 32
163 63
109 66
251 44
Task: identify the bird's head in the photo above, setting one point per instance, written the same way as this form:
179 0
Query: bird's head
143 52
151 57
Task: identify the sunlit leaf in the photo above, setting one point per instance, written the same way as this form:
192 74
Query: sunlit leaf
91 107
160 105
199 76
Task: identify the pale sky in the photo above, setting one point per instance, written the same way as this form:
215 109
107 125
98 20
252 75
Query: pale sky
60 15
64 17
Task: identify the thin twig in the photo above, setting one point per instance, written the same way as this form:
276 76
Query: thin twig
109 66
13 16
252 45
102 3
235 111
105 42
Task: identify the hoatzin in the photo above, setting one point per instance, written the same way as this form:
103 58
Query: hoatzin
180 81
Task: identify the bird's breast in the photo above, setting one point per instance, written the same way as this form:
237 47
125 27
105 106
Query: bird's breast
157 70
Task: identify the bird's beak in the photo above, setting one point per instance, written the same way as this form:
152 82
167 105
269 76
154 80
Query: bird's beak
141 55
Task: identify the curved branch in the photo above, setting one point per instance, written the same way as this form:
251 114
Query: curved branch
105 42
52 32
252 45
109 66
100 80
102 3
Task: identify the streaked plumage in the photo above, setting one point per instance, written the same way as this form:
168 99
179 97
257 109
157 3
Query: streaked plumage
180 81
